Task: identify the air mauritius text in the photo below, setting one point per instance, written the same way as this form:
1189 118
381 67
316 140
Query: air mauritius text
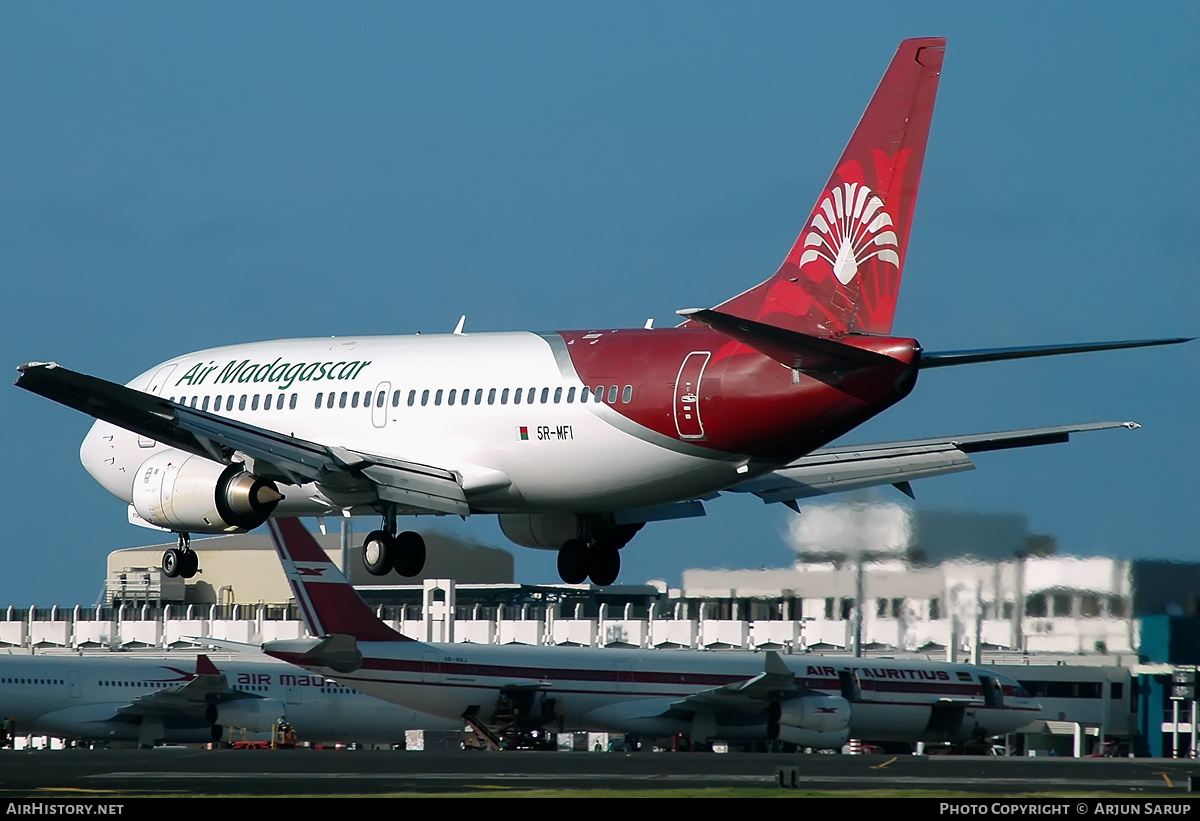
281 373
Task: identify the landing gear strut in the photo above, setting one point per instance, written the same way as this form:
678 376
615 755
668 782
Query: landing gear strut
385 550
181 560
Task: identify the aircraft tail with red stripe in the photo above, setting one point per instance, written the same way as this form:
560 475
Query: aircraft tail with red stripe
843 274
328 604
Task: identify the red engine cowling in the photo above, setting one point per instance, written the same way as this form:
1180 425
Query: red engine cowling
183 492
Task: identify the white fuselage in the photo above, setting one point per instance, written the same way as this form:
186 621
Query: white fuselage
626 690
554 453
80 697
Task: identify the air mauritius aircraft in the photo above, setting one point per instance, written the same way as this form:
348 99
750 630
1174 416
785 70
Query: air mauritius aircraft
575 439
809 701
149 701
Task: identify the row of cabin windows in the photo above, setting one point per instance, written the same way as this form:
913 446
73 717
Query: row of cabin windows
453 396
227 402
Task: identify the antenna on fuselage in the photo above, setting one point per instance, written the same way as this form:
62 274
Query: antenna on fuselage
649 324
458 329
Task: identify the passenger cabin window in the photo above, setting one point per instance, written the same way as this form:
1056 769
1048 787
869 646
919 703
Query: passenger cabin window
627 394
396 399
412 398
329 402
453 394
242 402
612 395
194 401
204 404
504 397
570 395
425 397
217 404
557 395
517 396
532 394
267 402
584 394
479 396
437 397
380 399
599 394
545 395
254 402
492 396
354 400
342 399
292 404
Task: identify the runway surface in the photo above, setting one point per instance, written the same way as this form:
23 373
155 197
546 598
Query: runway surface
324 772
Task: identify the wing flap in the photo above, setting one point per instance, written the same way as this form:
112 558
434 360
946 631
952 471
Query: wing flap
838 469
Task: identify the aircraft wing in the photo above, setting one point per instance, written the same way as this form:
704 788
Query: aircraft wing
774 681
277 456
209 686
849 467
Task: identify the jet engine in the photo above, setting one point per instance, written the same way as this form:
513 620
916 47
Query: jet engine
256 715
549 531
811 721
180 491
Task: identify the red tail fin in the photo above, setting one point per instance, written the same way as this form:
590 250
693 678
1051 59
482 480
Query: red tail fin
843 273
328 604
205 667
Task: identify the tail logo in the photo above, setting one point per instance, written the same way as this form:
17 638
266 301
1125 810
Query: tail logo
850 227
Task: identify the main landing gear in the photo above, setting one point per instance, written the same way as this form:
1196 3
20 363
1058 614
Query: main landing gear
181 560
385 550
600 561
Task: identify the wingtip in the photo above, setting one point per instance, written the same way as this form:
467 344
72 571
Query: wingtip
1130 425
688 311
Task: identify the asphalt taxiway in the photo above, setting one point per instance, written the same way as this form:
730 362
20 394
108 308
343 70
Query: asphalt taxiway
324 772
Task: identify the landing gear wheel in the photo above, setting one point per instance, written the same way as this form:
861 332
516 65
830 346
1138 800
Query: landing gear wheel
573 561
604 564
379 553
172 562
189 564
410 553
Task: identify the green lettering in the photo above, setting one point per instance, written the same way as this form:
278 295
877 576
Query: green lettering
193 373
333 368
229 372
347 371
265 370
360 369
278 371
290 375
308 372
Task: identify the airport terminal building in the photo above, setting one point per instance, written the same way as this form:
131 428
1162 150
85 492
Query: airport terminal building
1106 645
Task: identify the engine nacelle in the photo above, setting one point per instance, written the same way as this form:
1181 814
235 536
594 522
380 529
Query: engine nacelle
833 740
548 531
820 714
180 491
257 715
816 721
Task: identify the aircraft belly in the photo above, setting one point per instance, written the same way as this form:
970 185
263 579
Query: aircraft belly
887 722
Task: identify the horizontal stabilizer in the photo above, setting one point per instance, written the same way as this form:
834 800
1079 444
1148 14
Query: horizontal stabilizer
797 350
944 359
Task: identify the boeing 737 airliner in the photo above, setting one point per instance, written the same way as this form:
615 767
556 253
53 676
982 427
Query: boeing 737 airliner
575 439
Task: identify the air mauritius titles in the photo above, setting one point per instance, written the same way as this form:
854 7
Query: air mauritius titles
280 373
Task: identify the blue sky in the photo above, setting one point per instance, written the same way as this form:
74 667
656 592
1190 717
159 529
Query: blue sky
179 176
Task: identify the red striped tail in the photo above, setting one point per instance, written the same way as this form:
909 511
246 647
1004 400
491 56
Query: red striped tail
328 603
843 274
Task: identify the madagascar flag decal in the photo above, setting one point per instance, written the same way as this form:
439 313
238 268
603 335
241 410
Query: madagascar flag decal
523 433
